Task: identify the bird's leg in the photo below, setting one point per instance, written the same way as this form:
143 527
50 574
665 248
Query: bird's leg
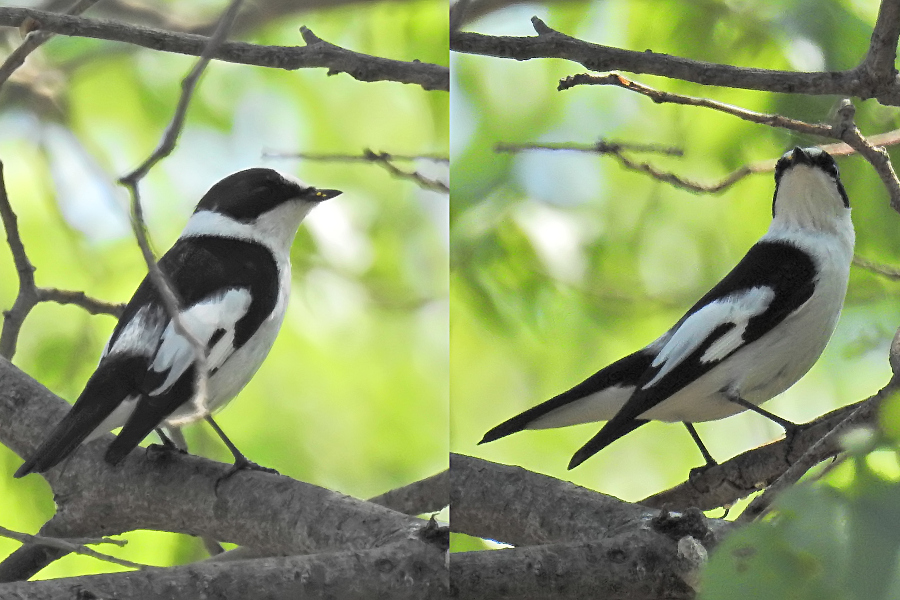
168 445
241 462
790 428
179 444
710 461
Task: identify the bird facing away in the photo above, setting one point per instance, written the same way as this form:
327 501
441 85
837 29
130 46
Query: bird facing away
751 337
231 270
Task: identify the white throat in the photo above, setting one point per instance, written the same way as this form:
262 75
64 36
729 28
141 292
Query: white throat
275 229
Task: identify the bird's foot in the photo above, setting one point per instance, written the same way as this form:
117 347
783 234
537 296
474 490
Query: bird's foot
242 464
156 452
249 465
791 431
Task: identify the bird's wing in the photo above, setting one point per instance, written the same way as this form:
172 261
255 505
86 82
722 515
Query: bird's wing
771 282
228 288
594 399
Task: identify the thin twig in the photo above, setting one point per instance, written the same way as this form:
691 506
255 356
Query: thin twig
877 268
384 159
661 97
366 156
131 182
423 182
876 156
91 305
617 150
844 129
27 296
76 546
34 37
598 147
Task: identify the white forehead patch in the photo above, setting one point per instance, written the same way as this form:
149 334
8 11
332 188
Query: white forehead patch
292 179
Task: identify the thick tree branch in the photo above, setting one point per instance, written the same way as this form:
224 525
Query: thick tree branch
641 567
577 542
595 57
431 494
410 570
167 491
879 61
316 53
520 507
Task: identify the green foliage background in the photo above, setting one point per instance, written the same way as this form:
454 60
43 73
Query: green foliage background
354 394
562 263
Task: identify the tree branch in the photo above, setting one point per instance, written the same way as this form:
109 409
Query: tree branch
878 269
384 159
407 570
661 97
879 61
595 57
578 543
640 567
427 495
844 129
751 471
67 546
91 305
34 38
29 294
166 491
520 507
316 53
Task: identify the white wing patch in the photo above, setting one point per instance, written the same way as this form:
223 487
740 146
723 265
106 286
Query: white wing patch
141 334
737 309
203 319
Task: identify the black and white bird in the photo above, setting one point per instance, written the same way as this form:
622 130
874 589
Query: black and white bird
750 338
231 271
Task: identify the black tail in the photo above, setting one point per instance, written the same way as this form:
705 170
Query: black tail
110 384
604 438
623 373
64 438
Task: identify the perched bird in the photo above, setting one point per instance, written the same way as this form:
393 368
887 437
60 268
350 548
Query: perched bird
751 337
231 270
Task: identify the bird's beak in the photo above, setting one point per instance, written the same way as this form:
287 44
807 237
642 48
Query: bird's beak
800 157
322 195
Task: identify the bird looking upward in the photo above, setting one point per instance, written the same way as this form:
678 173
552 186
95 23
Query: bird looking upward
748 339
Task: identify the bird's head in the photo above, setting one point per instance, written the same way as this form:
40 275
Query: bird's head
808 191
260 204
246 195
